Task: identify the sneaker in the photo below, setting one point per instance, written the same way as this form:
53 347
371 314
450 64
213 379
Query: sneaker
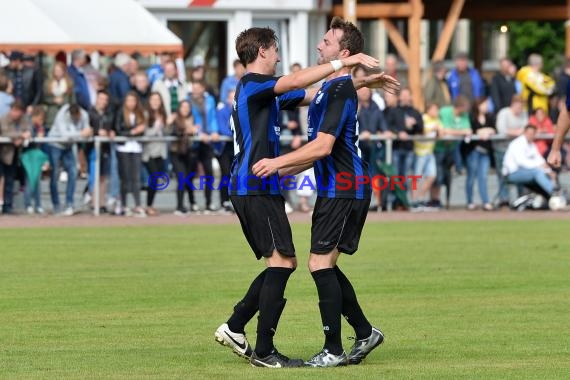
471 207
30 210
236 341
128 212
40 211
181 211
194 207
68 211
139 212
274 360
87 199
326 359
363 347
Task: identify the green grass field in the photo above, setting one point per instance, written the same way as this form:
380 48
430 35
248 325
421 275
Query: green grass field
487 300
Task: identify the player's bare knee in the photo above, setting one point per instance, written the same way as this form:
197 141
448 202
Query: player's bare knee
279 260
318 262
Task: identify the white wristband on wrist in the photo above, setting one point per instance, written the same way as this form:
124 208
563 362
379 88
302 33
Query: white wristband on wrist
337 64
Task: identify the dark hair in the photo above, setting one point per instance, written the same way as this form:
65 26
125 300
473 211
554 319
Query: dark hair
74 109
461 101
530 126
38 111
251 40
4 81
18 105
351 39
161 111
103 92
138 111
201 82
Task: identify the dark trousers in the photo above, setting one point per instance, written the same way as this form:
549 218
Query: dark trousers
9 174
129 173
225 160
153 165
182 165
204 156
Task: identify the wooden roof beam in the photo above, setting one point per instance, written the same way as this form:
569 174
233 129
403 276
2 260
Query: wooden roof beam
448 29
382 10
397 39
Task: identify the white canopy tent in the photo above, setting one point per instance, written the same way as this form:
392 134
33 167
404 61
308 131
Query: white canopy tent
107 26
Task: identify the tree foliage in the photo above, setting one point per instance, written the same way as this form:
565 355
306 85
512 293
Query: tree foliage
544 38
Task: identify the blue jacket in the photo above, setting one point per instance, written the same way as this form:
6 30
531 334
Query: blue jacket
223 114
119 85
154 72
210 124
80 87
477 82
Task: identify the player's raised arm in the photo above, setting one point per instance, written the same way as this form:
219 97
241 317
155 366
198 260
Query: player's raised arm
310 75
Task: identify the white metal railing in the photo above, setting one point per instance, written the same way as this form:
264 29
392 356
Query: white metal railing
98 140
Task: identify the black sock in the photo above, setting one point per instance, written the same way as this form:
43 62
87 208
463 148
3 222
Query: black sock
330 305
351 309
247 307
271 304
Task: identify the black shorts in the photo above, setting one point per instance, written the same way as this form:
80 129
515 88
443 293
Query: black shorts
264 224
338 223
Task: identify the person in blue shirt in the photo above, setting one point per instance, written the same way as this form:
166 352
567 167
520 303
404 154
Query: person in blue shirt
224 150
230 82
342 201
80 86
258 202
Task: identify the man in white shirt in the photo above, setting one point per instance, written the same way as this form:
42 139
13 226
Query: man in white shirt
524 165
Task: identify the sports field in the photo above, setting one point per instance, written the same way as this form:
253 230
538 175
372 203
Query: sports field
473 299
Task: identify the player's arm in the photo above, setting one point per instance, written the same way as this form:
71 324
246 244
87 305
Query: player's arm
294 170
562 127
302 157
306 77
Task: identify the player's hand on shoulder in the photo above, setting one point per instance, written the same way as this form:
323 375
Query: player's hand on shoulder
360 58
264 168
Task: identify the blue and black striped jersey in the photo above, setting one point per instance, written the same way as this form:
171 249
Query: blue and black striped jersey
333 111
255 122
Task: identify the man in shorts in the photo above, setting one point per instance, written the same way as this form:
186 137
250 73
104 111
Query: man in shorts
341 209
258 202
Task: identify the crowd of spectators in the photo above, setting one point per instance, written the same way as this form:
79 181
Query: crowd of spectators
81 101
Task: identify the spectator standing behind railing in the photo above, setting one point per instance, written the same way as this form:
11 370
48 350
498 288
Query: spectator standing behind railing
34 160
510 123
101 121
6 98
425 165
464 80
479 154
16 127
119 80
537 86
435 88
371 122
154 153
142 87
204 112
455 121
543 125
224 150
182 155
503 86
156 71
230 82
71 121
26 81
172 90
80 85
403 121
130 122
58 91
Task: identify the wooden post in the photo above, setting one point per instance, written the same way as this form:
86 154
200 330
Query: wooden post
397 39
448 29
567 25
414 45
349 10
478 48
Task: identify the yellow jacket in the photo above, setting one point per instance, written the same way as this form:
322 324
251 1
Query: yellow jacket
537 87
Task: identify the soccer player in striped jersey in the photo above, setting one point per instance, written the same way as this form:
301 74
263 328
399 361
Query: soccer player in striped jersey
342 205
258 202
